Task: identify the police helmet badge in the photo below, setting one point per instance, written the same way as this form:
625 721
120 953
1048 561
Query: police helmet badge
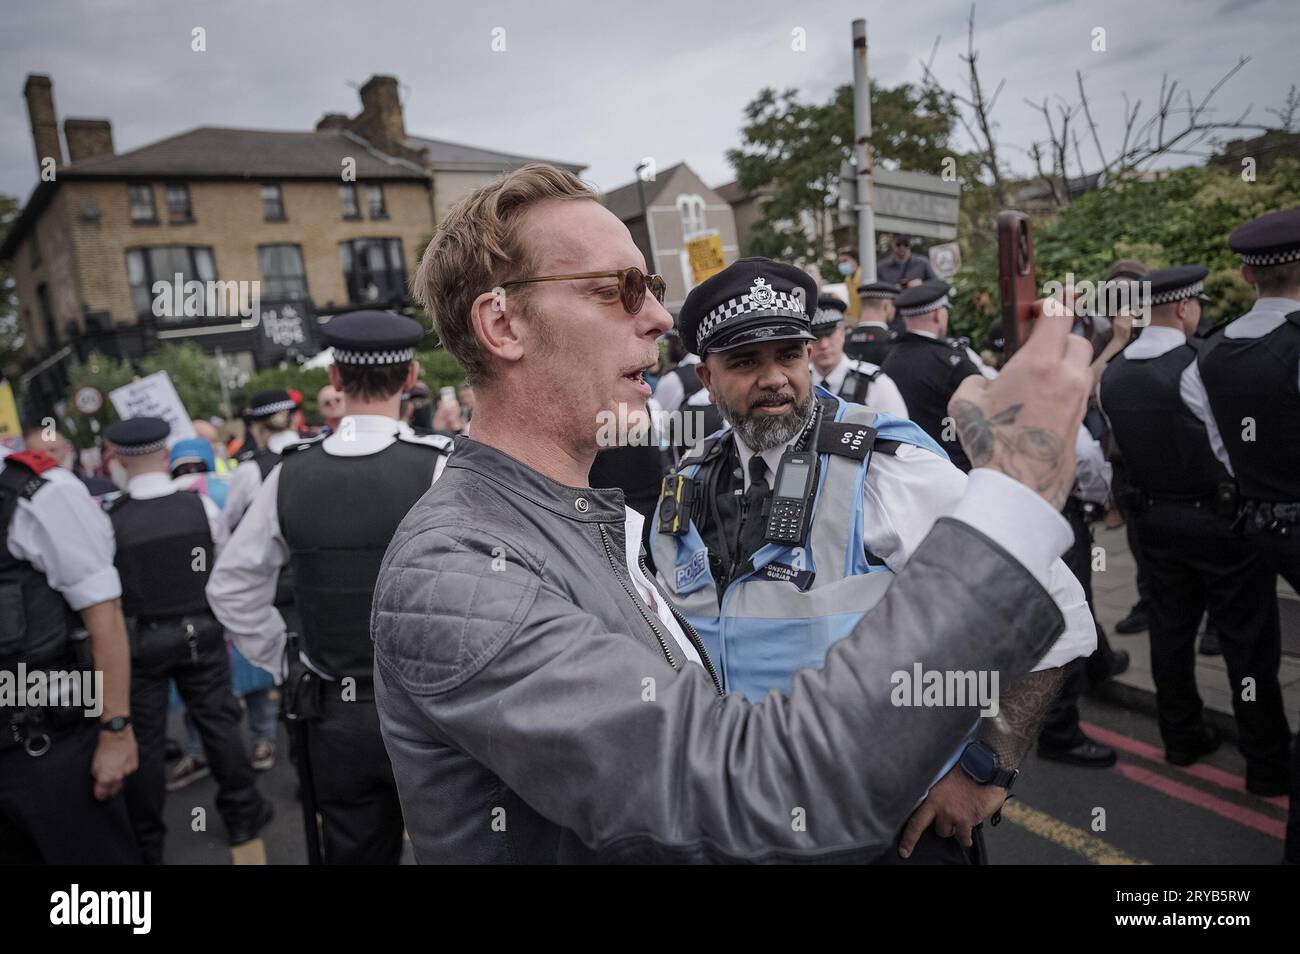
761 293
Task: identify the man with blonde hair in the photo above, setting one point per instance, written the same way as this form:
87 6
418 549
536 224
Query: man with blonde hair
542 702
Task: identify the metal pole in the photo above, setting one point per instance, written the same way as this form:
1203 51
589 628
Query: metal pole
221 378
862 152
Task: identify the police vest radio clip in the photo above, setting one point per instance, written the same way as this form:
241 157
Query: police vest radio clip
677 499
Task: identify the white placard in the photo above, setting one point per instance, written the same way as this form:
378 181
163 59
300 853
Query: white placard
154 396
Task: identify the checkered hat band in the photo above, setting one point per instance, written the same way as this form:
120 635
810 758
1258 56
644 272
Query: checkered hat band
401 356
827 316
139 450
1271 258
1178 294
876 293
266 410
783 305
922 309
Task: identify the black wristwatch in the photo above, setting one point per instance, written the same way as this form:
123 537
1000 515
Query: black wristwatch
981 764
115 724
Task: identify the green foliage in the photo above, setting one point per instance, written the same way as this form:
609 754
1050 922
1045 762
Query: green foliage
795 150
193 373
1182 218
11 331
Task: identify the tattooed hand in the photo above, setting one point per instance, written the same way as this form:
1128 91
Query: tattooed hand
1025 421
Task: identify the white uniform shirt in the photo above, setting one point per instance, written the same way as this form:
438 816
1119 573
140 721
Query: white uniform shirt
1155 341
64 534
248 477
670 392
241 589
1092 471
904 494
882 393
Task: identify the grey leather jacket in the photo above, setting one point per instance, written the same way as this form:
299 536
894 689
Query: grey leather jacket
512 662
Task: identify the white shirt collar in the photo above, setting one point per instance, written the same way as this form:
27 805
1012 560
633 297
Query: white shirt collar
278 441
689 359
156 483
835 380
1264 318
1154 341
874 324
924 334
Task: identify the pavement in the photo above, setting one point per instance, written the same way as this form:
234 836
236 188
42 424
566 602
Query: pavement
1114 591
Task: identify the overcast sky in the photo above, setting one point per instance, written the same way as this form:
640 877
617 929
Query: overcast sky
602 83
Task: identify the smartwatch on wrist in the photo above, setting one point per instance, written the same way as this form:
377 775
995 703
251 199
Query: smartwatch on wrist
981 763
115 724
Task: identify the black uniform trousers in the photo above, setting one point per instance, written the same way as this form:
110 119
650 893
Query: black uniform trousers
48 810
1061 725
159 653
1282 551
1122 492
356 794
1197 563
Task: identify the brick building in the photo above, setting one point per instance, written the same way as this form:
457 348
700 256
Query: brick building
320 220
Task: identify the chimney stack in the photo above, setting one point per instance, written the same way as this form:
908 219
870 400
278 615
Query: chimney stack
88 138
39 93
381 120
332 121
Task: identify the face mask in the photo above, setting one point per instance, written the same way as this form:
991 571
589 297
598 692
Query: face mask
846 269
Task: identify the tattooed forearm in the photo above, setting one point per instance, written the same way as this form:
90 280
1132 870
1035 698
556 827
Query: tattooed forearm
1031 455
1020 715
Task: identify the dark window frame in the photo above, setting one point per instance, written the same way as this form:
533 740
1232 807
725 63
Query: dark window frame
185 216
132 189
279 201
150 278
396 282
350 188
302 260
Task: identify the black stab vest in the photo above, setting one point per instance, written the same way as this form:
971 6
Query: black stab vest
338 515
1165 446
36 622
1256 378
158 544
869 343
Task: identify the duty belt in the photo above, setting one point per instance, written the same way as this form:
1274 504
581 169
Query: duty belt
1279 517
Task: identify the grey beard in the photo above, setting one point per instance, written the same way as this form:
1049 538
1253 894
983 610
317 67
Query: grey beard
763 432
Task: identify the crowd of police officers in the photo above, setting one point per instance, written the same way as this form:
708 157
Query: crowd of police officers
145 591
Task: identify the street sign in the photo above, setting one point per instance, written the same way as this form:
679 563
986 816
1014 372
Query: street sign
915 203
704 249
88 400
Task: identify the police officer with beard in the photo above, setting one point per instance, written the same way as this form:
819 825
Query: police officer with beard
166 542
328 511
760 530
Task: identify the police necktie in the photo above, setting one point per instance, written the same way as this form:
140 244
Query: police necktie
753 526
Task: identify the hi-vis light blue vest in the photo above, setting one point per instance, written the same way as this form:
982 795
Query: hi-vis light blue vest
796 602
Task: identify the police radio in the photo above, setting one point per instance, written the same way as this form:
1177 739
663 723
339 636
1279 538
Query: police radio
787 520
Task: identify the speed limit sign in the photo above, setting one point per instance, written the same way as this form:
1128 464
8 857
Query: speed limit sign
88 400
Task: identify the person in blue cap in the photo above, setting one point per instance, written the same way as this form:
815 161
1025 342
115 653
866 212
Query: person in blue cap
1251 372
327 511
166 543
769 593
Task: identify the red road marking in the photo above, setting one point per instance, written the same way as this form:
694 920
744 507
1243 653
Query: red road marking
1194 796
1206 773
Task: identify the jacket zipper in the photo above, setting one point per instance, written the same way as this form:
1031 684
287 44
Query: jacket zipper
691 634
640 604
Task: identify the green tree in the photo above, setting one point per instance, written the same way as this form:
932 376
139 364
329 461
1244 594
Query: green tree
11 331
795 150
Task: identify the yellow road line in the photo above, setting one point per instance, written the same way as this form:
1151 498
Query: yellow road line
1081 842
